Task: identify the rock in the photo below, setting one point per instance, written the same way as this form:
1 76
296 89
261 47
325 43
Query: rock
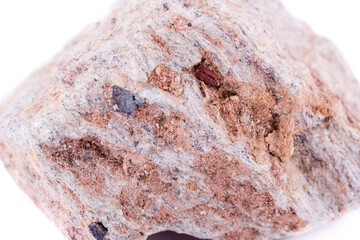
98 230
218 119
126 102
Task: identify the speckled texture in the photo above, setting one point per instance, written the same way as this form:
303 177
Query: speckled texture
219 119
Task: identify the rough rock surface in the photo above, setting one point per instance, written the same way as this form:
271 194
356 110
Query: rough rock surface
219 119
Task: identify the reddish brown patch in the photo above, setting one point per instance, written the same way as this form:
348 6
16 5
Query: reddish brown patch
241 234
169 128
92 160
179 23
164 216
216 42
241 197
192 185
83 157
161 43
97 118
251 112
257 113
280 140
164 78
129 208
322 99
328 103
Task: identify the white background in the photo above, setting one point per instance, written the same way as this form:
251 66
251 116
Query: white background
33 31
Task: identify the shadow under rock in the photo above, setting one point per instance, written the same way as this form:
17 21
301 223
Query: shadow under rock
169 235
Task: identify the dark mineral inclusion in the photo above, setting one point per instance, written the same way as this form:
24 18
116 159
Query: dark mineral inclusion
126 101
98 230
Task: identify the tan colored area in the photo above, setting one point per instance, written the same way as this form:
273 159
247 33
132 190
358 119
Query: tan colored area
169 128
179 23
167 80
258 114
162 45
242 234
91 159
241 197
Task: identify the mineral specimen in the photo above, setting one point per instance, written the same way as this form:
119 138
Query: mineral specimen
218 119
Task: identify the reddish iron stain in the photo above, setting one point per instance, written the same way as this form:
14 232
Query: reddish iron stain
207 76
